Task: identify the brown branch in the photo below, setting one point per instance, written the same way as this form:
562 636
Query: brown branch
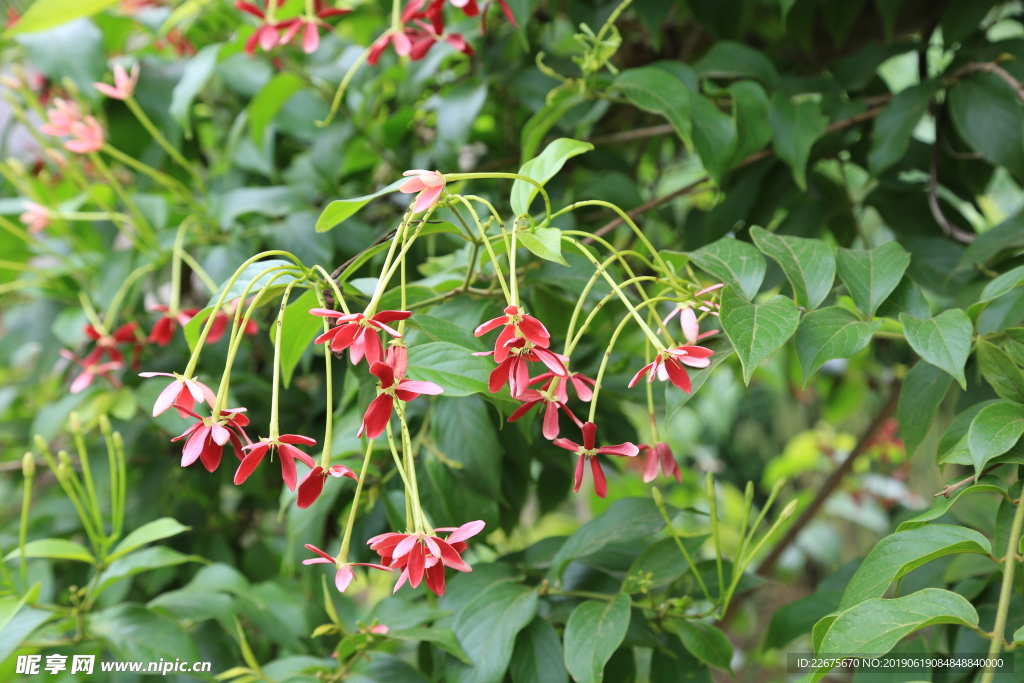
951 488
833 482
995 70
948 227
636 134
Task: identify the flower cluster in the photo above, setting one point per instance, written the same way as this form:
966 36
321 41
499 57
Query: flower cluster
270 33
65 119
424 556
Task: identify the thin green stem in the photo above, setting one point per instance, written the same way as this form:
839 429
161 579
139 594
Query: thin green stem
173 185
141 225
604 361
350 524
499 276
325 454
340 92
449 177
709 486
163 142
275 390
656 494
1005 591
115 305
199 271
410 518
92 500
338 296
26 502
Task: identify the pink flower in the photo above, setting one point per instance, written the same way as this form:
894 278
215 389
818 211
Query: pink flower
429 184
182 392
516 324
310 26
423 555
286 451
659 455
358 332
124 84
514 369
668 365
343 577
36 217
589 451
313 485
552 404
267 34
60 118
392 386
87 136
91 369
580 382
208 436
108 343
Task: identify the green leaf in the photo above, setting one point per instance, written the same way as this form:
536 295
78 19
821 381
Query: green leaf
44 14
543 168
298 329
923 390
808 264
796 125
464 433
10 606
944 341
750 111
673 663
730 59
273 201
165 527
136 633
895 125
898 554
906 298
543 242
987 484
757 330
676 398
142 561
797 618
875 626
21 627
197 73
714 136
626 519
1018 637
830 333
268 102
659 92
441 637
537 127
487 628
335 213
1000 371
994 431
706 643
451 367
871 275
54 549
737 264
659 564
988 116
1001 285
537 657
593 633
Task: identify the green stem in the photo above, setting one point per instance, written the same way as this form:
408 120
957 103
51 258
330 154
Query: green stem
92 500
1005 591
510 176
160 177
487 245
350 524
378 291
199 271
142 227
604 361
275 390
26 502
613 18
163 142
122 292
398 260
338 296
709 486
340 92
410 461
656 494
410 518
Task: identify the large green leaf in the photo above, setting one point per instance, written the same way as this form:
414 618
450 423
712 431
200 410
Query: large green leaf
54 549
923 390
988 116
142 561
871 275
136 633
657 91
538 657
874 627
335 213
1003 284
593 633
898 554
944 341
464 433
298 329
543 168
441 637
796 125
797 618
808 264
158 529
731 59
831 333
487 628
21 626
543 242
451 367
673 663
750 111
274 201
659 564
44 14
894 126
706 643
733 262
269 101
994 431
1000 371
757 330
197 73
714 136
906 298
11 605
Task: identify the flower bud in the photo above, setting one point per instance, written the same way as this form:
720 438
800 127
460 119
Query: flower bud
11 82
104 424
787 511
28 465
74 423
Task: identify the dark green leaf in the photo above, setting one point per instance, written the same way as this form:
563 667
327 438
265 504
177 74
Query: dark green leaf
994 431
796 618
21 627
988 116
750 111
808 264
1000 371
451 367
537 657
592 634
659 92
730 59
757 330
542 169
942 504
660 564
733 262
141 561
871 275
197 73
673 663
487 628
465 434
276 201
894 126
796 125
830 333
714 136
335 213
269 101
676 398
136 633
944 341
441 637
706 643
923 390
906 298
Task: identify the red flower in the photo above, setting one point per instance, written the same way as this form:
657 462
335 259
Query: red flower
91 369
181 392
669 364
578 380
163 329
313 485
588 451
357 331
392 386
310 26
266 35
516 324
344 575
400 40
552 404
421 554
287 452
514 369
660 454
207 437
108 343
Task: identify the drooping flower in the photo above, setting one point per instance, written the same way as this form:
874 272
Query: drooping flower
163 329
87 136
422 555
107 344
426 36
514 369
286 451
183 391
343 577
515 323
580 382
392 386
267 34
429 184
398 39
60 117
36 217
357 332
659 455
590 451
91 369
124 83
313 485
668 365
552 405
208 436
310 26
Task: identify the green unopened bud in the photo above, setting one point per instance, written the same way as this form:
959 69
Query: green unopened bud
63 458
748 494
28 465
62 471
656 494
17 168
104 424
788 511
74 423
